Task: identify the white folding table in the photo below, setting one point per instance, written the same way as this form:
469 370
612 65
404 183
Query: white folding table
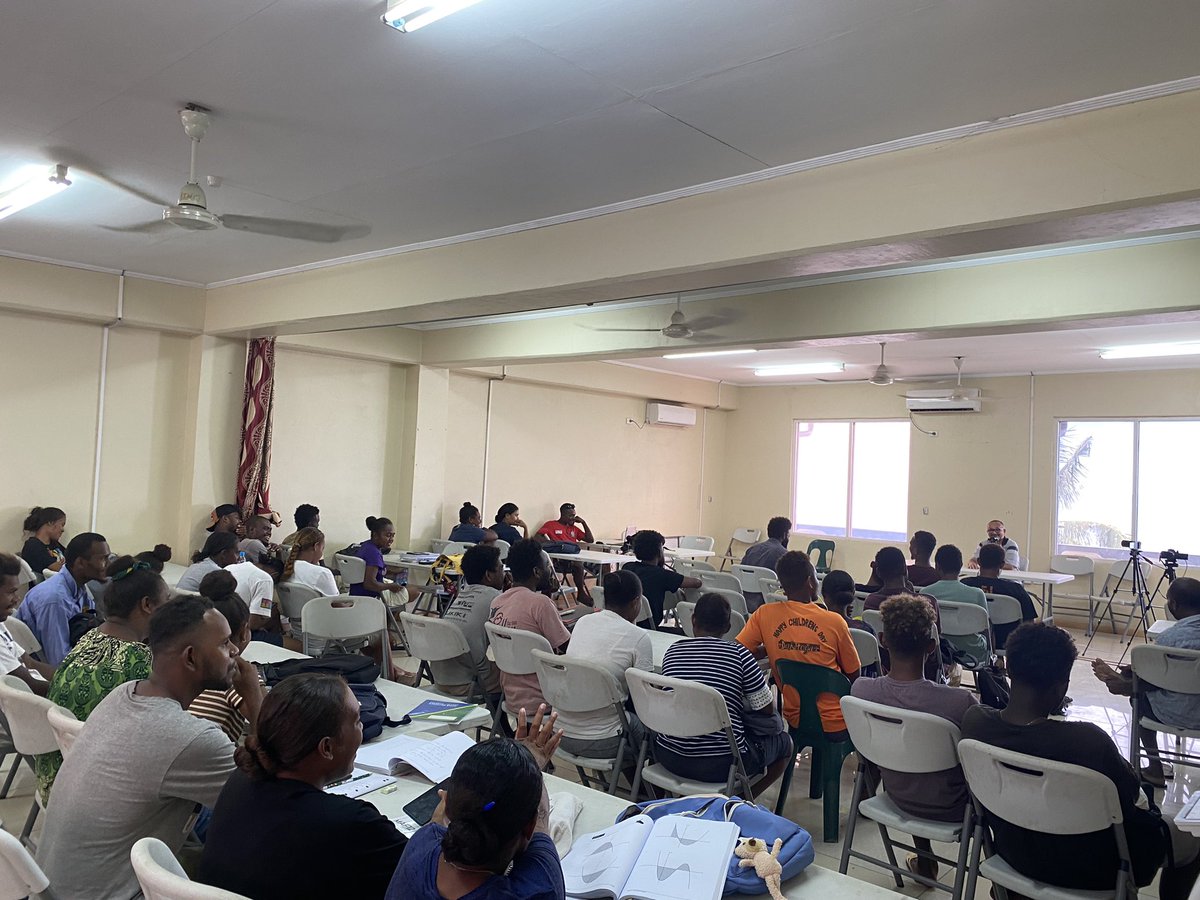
1048 579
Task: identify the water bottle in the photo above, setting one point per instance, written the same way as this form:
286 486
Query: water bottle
241 556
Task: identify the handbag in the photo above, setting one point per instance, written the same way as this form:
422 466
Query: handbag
354 668
560 547
795 855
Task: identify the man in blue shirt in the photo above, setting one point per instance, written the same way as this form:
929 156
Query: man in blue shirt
1167 707
49 606
766 554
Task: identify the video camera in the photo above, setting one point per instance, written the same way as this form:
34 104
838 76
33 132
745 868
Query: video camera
1132 545
1172 557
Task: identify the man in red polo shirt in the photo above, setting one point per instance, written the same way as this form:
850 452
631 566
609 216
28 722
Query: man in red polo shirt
569 528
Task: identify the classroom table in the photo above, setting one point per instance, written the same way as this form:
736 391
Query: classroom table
1049 579
172 572
595 556
400 697
659 642
600 810
683 553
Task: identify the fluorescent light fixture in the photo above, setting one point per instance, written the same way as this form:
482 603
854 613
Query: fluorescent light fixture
1145 351
409 15
700 353
820 368
34 186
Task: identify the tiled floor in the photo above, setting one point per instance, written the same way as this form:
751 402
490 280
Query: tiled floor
1092 703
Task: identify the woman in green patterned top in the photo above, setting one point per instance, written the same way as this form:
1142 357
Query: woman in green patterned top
106 656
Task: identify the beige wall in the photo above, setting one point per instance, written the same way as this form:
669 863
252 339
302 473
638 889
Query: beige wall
335 441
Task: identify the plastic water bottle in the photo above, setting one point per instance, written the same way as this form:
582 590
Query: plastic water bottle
241 556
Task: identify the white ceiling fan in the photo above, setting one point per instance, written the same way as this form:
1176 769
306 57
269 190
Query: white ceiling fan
192 212
679 327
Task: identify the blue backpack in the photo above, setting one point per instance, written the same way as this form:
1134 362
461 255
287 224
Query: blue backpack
795 855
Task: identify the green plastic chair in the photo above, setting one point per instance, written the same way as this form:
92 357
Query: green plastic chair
809 680
825 560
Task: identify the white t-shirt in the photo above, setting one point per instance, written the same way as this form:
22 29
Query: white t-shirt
254 586
607 639
316 577
10 651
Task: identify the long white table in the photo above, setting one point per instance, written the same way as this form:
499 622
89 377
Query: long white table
682 553
400 697
659 642
595 556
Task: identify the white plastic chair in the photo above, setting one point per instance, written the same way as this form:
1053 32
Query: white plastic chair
512 648
65 725
453 548
749 576
20 875
1081 567
746 536
292 598
737 603
581 686
503 547
1002 610
685 610
434 640
351 617
964 620
723 580
902 740
1169 669
682 709
23 635
874 618
1043 796
162 877
696 542
351 569
30 730
867 646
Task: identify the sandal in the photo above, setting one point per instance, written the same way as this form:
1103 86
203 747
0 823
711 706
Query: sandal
915 863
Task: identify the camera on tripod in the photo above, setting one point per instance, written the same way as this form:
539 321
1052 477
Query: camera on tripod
1132 545
1170 558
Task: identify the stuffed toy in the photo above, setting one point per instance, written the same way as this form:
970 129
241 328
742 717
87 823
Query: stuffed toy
753 852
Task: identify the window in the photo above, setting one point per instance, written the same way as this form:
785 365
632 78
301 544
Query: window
851 479
1123 480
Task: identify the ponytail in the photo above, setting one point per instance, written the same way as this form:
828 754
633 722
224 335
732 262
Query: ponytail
305 538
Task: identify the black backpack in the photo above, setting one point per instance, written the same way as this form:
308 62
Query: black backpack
354 668
372 710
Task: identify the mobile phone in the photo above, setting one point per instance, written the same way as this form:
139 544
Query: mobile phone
421 809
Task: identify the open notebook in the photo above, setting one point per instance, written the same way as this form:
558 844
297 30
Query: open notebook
674 858
401 754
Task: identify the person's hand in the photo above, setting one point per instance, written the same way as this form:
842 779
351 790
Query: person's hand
973 564
240 531
520 523
579 520
508 582
539 736
246 682
439 812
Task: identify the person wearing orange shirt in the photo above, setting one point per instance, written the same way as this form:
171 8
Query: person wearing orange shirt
799 629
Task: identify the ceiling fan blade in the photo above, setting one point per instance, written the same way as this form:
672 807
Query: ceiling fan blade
145 228
291 228
639 330
77 162
845 380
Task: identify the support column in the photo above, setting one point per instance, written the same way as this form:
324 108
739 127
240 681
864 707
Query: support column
426 421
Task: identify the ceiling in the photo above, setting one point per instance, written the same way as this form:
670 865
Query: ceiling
508 112
1039 353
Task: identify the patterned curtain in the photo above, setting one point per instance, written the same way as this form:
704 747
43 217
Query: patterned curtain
258 399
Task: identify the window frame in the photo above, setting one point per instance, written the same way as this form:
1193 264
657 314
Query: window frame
852 423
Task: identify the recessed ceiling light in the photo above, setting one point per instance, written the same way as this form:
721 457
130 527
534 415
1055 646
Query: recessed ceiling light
700 353
409 15
1146 351
821 368
32 186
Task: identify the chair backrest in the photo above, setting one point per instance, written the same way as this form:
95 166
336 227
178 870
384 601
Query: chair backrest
22 634
454 548
808 681
874 618
748 576
737 603
20 875
162 878
722 580
513 648
293 597
684 612
960 619
1069 564
437 544
696 542
696 566
768 584
902 740
65 725
747 535
503 547
1168 668
598 597
351 617
824 549
676 707
1003 609
1117 573
1039 794
432 639
867 646
26 714
576 685
352 569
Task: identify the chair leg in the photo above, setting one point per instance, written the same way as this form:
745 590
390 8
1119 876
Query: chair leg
784 784
616 770
891 853
976 849
815 779
29 820
832 803
964 843
12 774
637 775
852 821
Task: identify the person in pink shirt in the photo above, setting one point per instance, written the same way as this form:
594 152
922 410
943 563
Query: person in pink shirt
521 606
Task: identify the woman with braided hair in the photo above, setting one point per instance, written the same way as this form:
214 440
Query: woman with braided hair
274 807
110 654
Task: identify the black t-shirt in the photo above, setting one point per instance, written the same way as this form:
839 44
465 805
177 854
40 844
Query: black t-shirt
656 581
1081 861
507 532
286 840
41 556
1008 588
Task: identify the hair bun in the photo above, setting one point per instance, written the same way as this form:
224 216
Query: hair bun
372 522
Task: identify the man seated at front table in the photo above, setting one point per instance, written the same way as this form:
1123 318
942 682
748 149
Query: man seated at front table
1039 663
651 569
569 528
48 607
1167 707
998 534
766 554
142 762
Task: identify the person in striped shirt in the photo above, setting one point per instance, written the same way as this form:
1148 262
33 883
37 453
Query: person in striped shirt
729 667
227 708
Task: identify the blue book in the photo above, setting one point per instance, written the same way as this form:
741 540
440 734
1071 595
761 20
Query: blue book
447 710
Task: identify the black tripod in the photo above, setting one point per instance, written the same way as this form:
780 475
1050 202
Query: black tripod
1141 598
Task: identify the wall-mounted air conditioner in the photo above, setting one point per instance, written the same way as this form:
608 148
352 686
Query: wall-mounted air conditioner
961 400
666 414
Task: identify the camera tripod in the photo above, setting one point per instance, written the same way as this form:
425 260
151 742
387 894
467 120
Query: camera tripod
1142 597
